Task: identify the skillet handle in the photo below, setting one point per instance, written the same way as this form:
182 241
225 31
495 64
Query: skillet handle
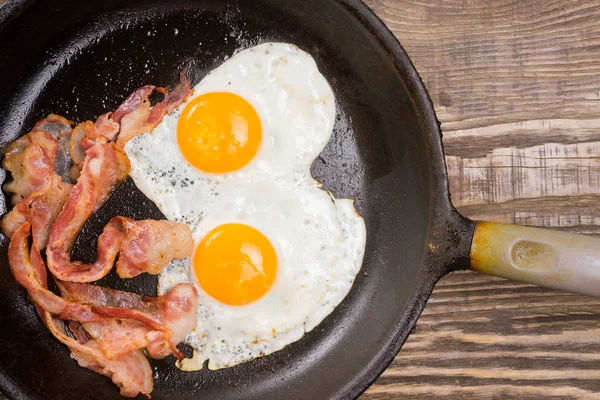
554 259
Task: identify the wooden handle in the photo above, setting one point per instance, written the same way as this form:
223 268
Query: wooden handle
558 260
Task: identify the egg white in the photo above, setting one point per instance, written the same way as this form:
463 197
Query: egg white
319 240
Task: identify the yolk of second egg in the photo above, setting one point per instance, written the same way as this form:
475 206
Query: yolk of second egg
235 264
219 132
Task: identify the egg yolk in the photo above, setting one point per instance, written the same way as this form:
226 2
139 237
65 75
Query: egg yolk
235 264
219 132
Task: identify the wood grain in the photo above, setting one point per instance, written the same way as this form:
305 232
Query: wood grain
516 86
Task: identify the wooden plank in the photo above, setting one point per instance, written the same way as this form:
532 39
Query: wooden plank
516 86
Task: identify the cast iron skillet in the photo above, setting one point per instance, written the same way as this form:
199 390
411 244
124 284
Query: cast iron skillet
80 58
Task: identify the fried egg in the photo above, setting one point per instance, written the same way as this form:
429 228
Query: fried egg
275 253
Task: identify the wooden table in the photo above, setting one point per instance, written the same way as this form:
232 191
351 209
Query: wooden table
516 85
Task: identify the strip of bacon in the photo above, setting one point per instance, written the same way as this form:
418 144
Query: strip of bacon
149 246
78 332
45 207
136 99
30 159
106 126
104 169
133 117
88 133
41 208
118 337
76 149
121 322
145 246
30 272
60 129
55 125
15 218
176 309
103 298
172 100
134 122
137 117
111 326
131 372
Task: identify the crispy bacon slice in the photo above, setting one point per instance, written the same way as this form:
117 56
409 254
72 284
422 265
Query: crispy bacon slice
135 121
39 191
131 372
76 149
173 99
118 337
111 327
15 218
104 169
121 322
137 116
102 299
135 100
78 332
60 129
41 208
45 207
55 125
88 133
145 246
30 159
106 126
30 272
176 309
149 246
133 117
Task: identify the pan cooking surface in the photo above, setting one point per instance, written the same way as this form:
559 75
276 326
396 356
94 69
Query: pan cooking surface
94 56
